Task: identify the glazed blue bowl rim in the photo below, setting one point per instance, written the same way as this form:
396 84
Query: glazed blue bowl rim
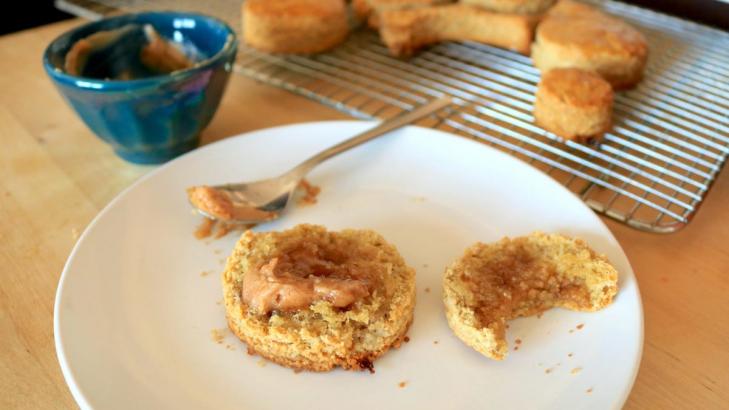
231 45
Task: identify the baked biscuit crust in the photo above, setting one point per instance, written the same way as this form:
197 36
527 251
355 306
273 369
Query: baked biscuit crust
321 336
294 26
574 104
405 31
574 35
512 6
370 9
523 276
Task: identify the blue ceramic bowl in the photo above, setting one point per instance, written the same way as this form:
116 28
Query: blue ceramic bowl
153 119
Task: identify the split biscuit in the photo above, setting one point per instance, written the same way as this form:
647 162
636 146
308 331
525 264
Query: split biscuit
493 283
311 299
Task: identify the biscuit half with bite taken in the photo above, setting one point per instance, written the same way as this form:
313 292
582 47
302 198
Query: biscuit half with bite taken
310 299
294 26
493 283
574 104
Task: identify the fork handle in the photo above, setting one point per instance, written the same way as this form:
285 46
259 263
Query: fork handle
383 128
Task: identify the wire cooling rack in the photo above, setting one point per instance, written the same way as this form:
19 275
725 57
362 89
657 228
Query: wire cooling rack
670 136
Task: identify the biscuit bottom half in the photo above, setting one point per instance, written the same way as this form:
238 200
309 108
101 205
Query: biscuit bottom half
493 283
321 335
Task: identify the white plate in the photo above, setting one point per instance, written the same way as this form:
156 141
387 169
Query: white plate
133 315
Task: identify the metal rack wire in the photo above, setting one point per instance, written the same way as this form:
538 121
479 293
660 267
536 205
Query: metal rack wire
670 136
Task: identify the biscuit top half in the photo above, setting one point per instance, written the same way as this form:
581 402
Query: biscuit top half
526 275
577 87
593 34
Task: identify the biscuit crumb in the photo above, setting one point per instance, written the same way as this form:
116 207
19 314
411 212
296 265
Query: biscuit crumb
74 234
406 339
539 315
367 364
549 370
576 370
310 193
569 354
580 326
589 391
517 341
218 335
205 273
572 330
425 266
516 348
402 384
229 347
261 363
435 342
297 370
427 290
250 351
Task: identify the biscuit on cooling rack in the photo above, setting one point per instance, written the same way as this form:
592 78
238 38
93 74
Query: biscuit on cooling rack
368 10
512 6
406 30
574 104
576 35
294 26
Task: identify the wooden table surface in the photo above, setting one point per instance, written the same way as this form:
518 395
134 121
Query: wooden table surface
55 176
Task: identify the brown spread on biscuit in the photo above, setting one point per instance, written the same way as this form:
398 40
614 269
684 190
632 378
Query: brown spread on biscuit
521 284
286 284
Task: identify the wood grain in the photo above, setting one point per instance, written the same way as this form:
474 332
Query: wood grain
55 176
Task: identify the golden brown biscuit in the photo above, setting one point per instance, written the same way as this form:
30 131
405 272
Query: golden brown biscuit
574 35
573 103
512 6
311 299
361 10
523 276
571 8
370 9
406 30
294 26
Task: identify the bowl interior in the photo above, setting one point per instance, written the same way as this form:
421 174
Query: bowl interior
199 35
